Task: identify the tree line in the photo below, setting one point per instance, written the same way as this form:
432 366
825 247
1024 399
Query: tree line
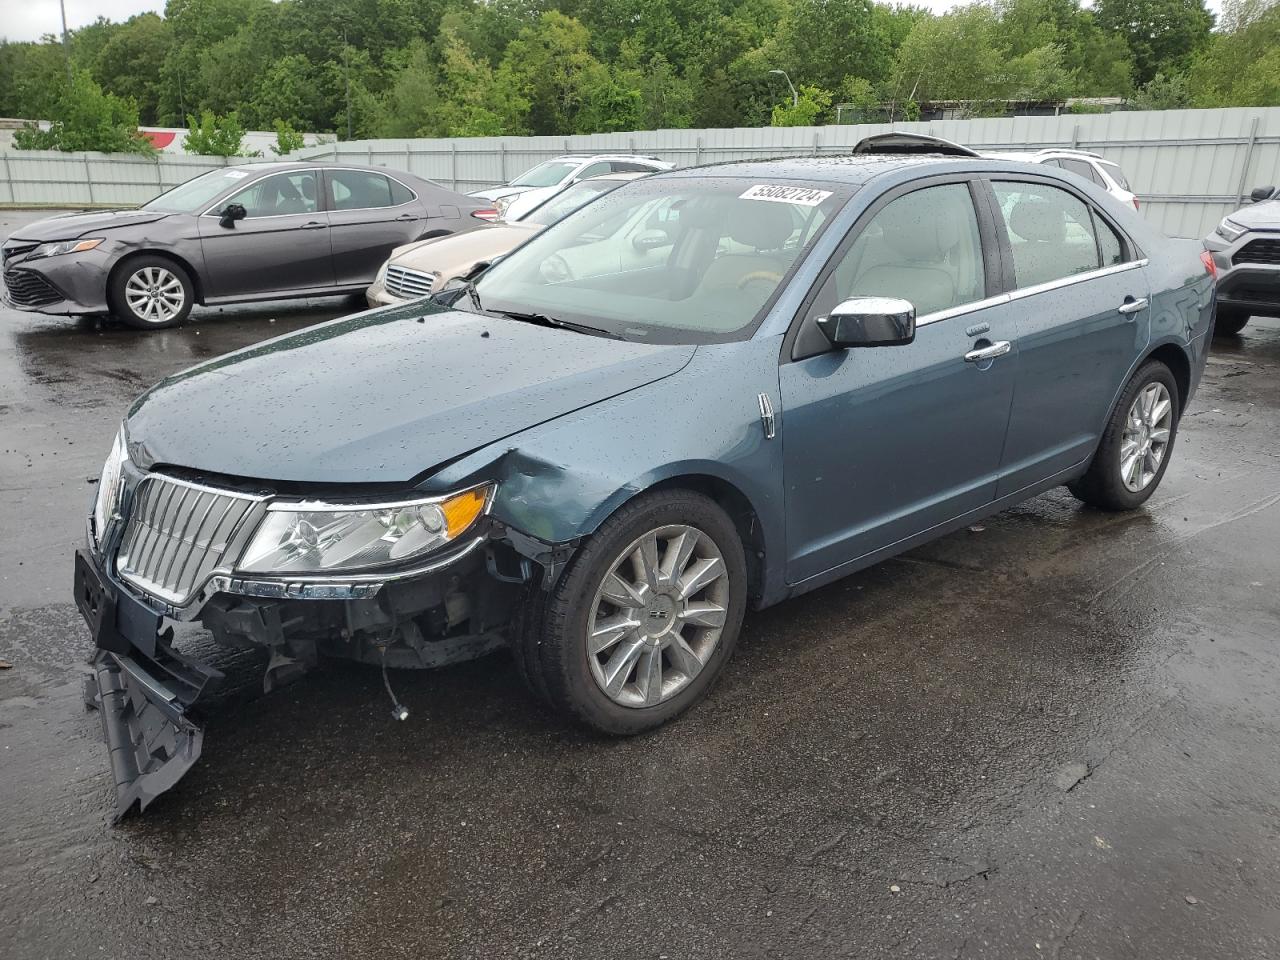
405 68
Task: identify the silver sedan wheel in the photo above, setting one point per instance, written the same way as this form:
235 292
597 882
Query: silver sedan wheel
657 616
155 295
1146 436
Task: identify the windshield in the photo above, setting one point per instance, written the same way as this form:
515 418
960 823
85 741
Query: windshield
546 174
1116 175
194 196
567 201
671 260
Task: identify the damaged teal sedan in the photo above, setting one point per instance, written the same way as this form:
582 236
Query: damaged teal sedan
600 461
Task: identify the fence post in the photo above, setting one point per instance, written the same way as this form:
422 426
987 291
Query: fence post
1248 158
502 160
697 152
369 153
1075 137
453 162
88 176
8 177
817 143
408 159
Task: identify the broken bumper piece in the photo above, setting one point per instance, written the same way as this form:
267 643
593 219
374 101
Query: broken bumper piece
143 706
142 688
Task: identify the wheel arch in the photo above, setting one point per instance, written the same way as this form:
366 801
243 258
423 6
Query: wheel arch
194 275
725 492
434 234
1173 356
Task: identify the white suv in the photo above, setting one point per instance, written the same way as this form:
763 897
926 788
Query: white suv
1091 166
551 176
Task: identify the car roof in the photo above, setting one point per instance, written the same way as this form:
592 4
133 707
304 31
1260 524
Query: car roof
583 157
854 170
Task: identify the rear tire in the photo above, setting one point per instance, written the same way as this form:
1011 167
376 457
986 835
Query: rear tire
1229 322
151 293
1137 443
680 614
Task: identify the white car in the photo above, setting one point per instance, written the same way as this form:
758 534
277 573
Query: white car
548 178
1091 166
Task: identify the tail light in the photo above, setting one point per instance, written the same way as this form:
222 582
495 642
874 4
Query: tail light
1210 267
489 214
1135 203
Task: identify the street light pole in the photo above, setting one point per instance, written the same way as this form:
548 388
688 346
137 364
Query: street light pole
66 46
795 97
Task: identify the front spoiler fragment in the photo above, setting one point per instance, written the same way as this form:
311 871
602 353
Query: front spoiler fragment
141 687
143 704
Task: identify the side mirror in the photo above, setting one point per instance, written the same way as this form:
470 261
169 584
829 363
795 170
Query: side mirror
231 214
870 322
650 240
1260 194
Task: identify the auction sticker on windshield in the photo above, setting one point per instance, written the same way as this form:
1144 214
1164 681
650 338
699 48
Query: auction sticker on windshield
777 193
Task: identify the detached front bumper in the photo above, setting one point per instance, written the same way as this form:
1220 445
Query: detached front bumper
141 687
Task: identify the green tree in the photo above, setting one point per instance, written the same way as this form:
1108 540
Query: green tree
550 66
1163 35
287 139
215 136
127 63
824 41
86 118
805 111
1241 66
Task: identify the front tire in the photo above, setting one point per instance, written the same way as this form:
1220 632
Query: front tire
1229 322
151 293
1136 445
643 620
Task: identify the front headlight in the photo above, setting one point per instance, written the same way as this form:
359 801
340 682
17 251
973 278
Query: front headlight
382 272
59 247
104 505
1230 230
312 537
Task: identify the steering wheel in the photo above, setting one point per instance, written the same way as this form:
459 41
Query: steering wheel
764 276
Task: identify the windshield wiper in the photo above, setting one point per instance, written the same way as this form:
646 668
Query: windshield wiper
545 321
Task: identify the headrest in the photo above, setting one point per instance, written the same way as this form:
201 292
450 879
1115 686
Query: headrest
765 229
309 188
916 228
1038 220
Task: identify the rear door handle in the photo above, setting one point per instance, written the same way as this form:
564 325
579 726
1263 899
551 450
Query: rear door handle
405 216
314 225
1131 305
997 349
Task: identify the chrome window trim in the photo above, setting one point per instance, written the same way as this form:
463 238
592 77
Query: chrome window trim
215 212
1023 292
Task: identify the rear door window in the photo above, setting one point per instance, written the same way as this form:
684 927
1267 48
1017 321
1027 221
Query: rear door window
1051 232
358 190
1082 168
1115 174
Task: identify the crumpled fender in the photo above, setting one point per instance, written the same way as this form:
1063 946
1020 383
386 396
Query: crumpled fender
559 481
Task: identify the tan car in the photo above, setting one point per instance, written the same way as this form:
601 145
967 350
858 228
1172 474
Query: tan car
427 266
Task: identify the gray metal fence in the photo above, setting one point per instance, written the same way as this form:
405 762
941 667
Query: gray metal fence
1189 167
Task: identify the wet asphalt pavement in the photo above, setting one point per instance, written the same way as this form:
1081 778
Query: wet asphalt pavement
1054 736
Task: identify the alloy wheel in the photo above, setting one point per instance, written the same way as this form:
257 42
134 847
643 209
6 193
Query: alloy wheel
1146 436
657 616
155 295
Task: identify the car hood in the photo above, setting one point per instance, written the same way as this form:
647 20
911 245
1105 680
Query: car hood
72 225
1258 216
381 397
450 255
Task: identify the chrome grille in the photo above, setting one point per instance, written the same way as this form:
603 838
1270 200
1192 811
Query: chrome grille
408 284
178 534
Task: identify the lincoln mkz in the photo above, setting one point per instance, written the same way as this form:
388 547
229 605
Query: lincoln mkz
602 462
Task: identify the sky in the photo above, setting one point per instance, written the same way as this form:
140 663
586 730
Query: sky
28 19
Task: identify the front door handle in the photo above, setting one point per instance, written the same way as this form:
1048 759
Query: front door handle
997 349
405 217
1131 305
314 225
